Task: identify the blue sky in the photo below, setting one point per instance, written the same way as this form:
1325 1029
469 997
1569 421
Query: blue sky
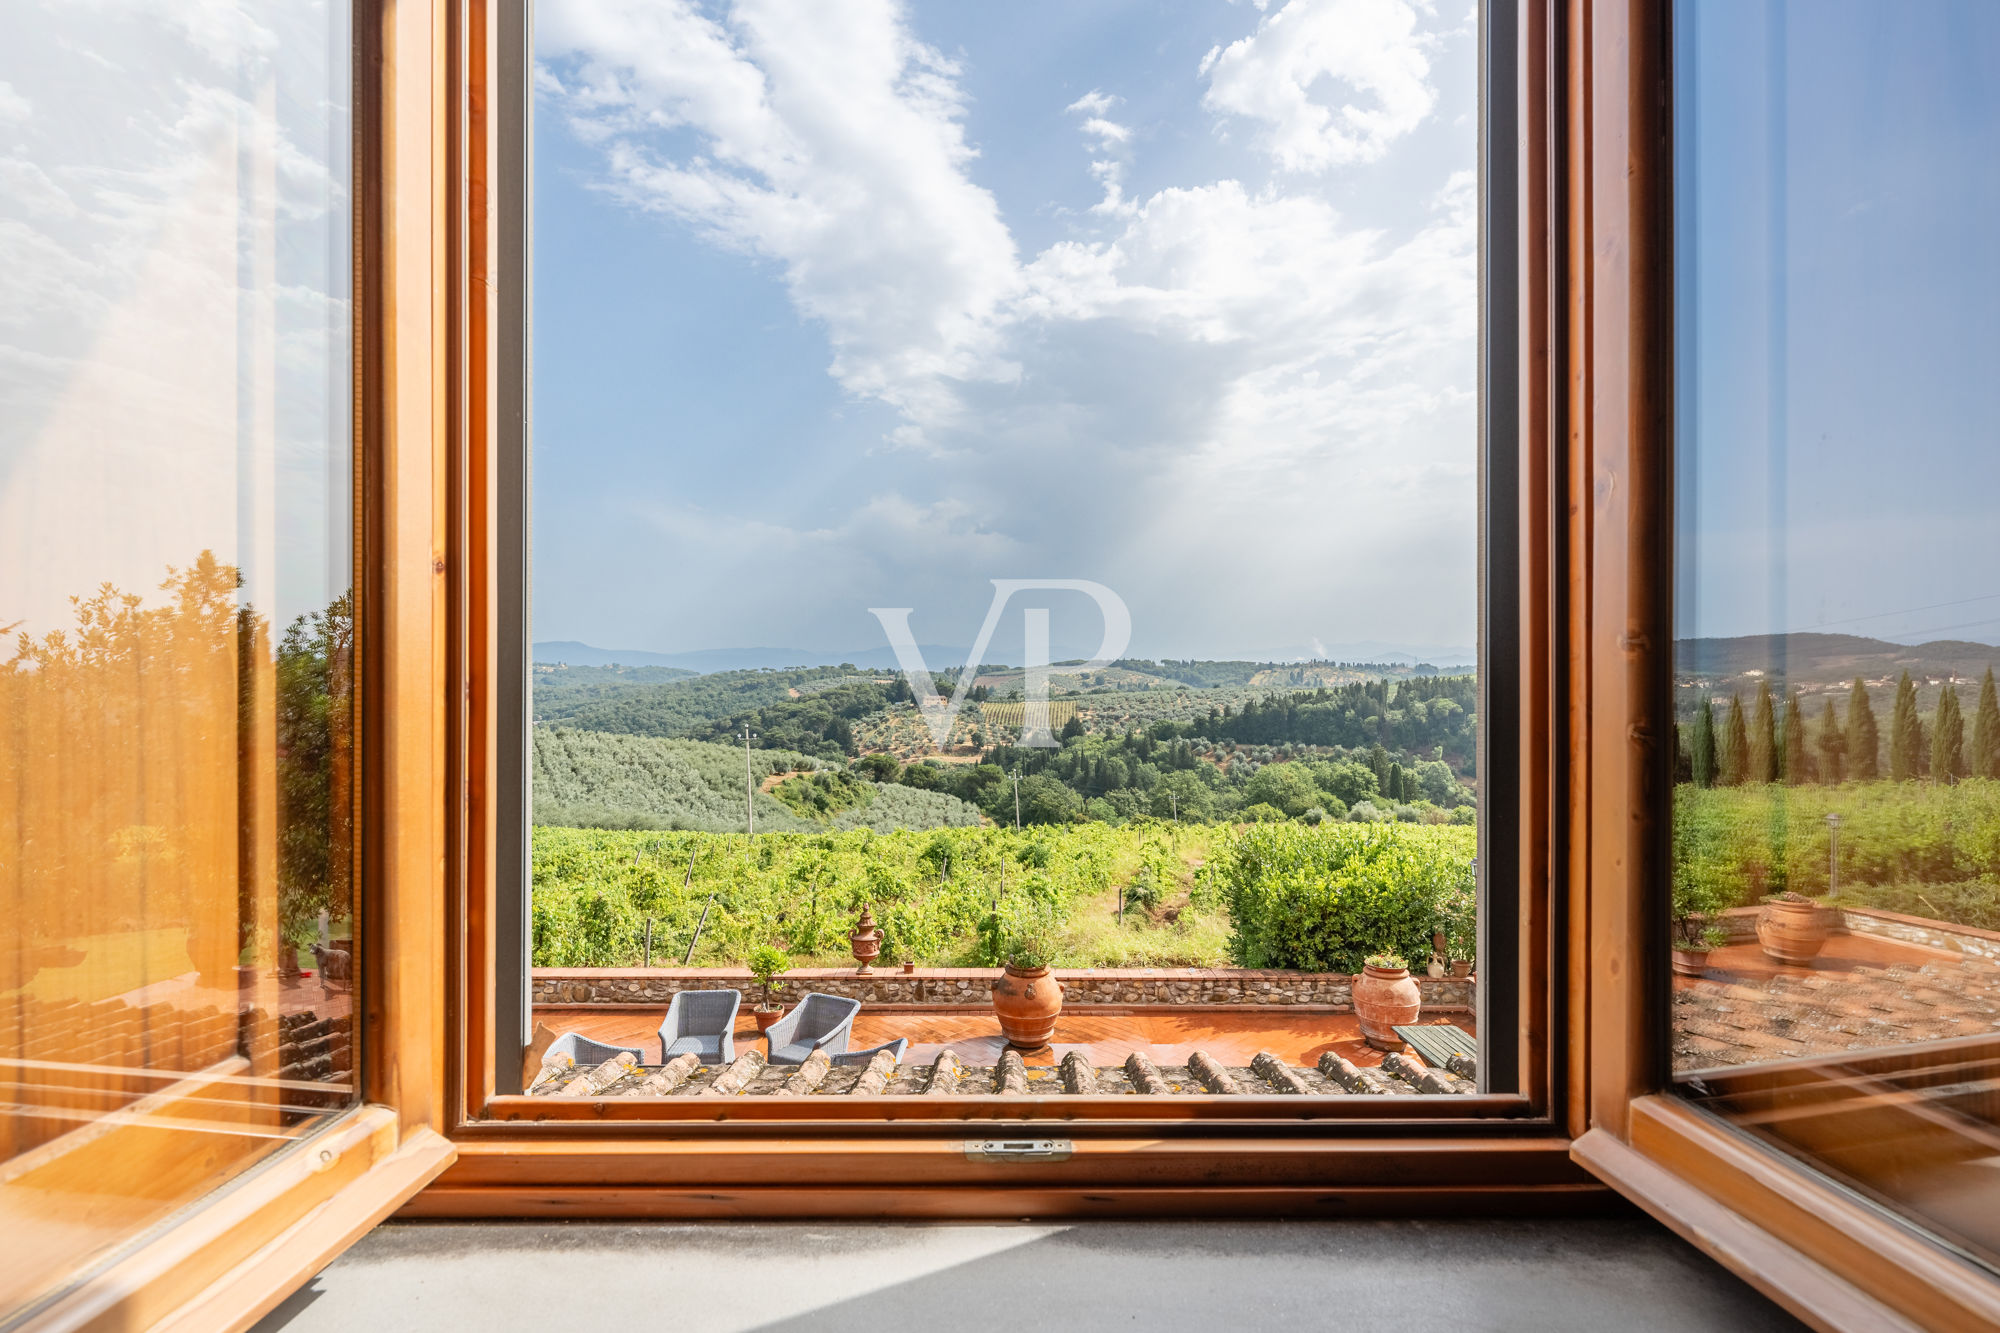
1840 405
857 304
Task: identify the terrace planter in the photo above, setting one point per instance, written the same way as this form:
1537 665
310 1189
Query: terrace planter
763 1018
1027 1002
1793 930
1690 962
1385 998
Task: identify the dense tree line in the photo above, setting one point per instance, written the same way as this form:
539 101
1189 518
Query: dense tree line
1773 745
1137 774
1418 715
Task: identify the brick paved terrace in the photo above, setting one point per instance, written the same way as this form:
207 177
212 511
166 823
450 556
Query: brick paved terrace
1886 980
1165 1031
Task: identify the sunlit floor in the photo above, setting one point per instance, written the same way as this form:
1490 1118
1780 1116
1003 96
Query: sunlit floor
1598 1274
1164 1035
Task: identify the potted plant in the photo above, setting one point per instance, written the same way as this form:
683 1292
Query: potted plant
767 963
1385 998
1691 954
1461 930
1793 928
1701 890
1027 999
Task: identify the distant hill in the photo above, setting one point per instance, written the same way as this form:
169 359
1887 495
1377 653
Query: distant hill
1829 658
568 651
596 699
594 780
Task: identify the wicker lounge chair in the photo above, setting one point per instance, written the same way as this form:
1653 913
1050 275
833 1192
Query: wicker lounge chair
819 1023
588 1054
701 1021
895 1048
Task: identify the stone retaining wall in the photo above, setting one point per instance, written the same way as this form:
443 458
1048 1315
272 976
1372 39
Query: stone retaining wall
654 987
1967 940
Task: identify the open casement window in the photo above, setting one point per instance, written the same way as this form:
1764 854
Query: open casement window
221 787
585 1134
1779 328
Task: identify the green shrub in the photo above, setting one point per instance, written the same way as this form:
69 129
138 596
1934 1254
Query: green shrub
1323 898
1900 842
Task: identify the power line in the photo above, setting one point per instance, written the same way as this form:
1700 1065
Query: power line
1906 611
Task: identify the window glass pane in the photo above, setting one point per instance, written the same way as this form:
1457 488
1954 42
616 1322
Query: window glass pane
1837 819
177 680
1005 489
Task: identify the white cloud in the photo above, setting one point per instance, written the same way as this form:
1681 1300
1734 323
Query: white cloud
829 141
13 106
1193 368
1371 50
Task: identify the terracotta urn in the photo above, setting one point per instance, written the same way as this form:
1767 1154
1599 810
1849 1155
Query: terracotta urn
865 941
1690 962
1027 1002
1461 967
1793 928
1385 998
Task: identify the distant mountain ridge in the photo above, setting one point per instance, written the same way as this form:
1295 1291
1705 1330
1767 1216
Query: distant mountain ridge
1830 657
705 660
937 657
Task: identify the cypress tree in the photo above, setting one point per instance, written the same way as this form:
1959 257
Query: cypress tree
1832 747
1795 741
1905 741
1948 749
1763 738
1984 761
1703 746
1864 748
1735 746
1395 781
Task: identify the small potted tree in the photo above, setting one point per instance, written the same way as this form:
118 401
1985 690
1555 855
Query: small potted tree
1461 930
767 963
1701 892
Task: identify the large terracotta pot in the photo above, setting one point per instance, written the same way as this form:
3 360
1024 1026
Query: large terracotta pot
1027 1002
1386 998
764 1018
1793 932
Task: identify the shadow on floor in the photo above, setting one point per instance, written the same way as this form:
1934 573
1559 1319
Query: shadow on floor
1592 1274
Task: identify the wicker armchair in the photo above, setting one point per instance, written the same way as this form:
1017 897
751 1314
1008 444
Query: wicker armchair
819 1023
701 1021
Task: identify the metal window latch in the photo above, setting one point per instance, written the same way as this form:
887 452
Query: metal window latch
1019 1150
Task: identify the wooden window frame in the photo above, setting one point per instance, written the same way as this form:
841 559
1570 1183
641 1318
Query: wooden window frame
1593 495
1831 1257
520 1156
233 1255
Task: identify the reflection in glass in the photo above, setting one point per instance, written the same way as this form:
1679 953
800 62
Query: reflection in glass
1836 891
177 679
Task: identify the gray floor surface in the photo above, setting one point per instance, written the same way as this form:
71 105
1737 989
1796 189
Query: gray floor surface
1607 1275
